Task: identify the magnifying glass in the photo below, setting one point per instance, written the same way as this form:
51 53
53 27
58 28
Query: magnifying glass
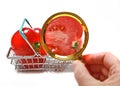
64 36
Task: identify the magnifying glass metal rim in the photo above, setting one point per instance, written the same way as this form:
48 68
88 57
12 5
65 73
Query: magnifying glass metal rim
75 56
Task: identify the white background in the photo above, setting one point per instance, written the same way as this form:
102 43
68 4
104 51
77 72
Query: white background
101 16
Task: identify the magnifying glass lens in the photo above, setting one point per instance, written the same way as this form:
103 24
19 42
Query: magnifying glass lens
64 35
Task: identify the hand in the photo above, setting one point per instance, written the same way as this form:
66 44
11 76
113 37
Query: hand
100 69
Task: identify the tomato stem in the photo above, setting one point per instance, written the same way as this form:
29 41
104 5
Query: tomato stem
75 44
36 46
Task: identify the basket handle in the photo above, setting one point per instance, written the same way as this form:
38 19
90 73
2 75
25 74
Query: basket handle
23 35
20 30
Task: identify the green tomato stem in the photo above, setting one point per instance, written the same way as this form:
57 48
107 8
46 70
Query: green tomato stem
36 46
75 44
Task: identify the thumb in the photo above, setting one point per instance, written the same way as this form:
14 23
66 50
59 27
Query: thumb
82 75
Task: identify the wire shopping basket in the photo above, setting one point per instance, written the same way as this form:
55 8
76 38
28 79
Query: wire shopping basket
37 62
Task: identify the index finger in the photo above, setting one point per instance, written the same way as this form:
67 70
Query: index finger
105 58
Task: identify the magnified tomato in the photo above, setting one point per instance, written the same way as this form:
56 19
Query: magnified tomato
64 35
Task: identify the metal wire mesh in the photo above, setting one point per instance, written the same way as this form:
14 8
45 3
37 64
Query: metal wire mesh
42 63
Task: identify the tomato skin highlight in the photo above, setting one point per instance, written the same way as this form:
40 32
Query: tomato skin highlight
61 34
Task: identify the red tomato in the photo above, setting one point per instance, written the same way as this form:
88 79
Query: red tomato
19 45
64 35
21 48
